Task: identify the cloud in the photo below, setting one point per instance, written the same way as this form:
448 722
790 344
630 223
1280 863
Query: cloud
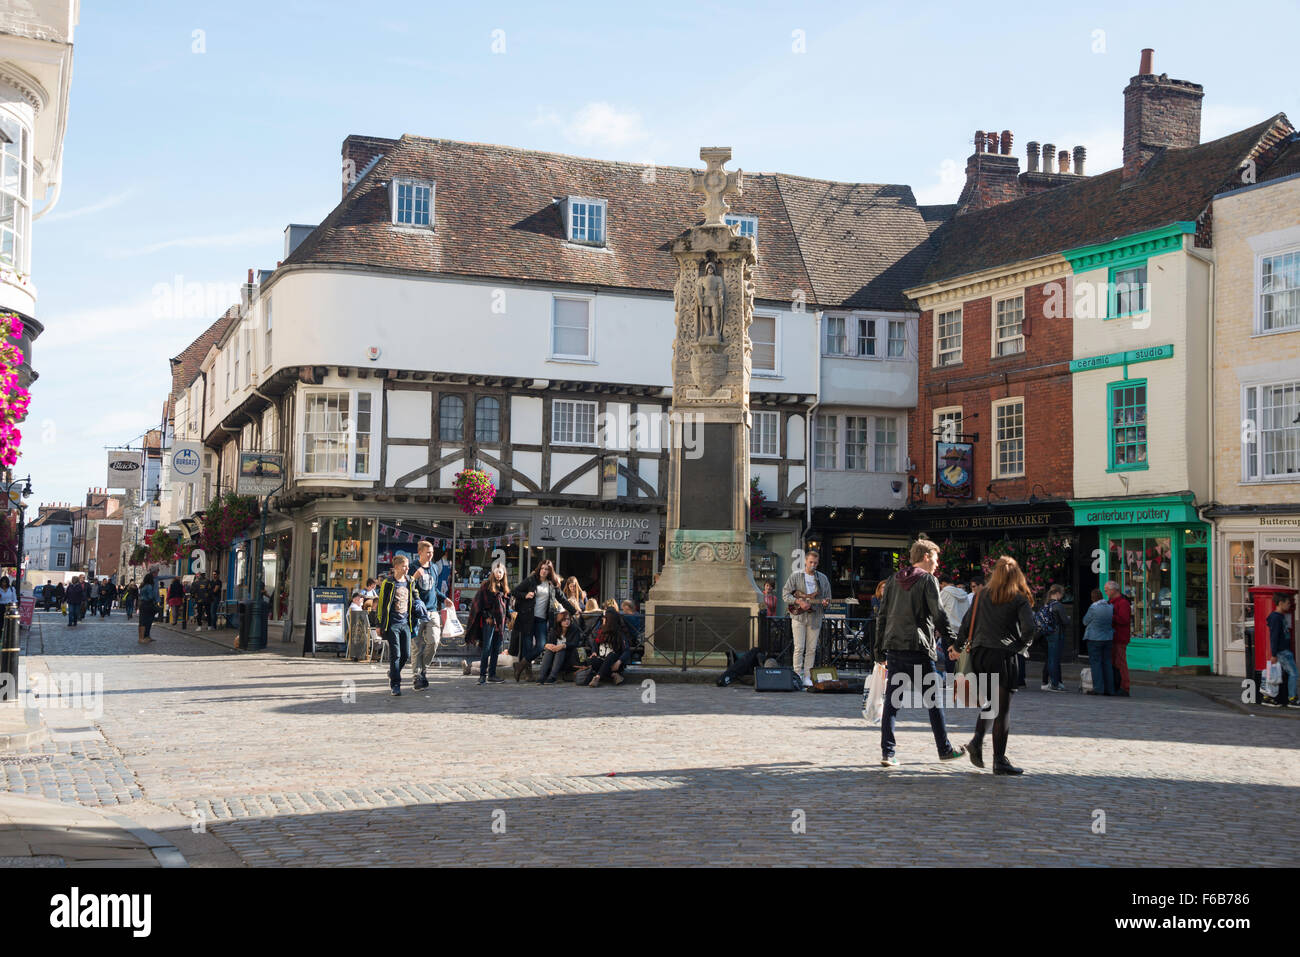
245 237
601 128
108 202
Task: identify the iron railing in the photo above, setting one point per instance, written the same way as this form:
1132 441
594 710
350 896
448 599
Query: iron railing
686 641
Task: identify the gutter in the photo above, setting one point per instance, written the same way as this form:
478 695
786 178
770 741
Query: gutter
812 416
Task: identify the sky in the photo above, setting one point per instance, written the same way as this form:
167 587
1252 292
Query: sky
198 130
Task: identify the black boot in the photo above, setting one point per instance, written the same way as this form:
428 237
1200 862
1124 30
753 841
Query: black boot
1003 766
976 751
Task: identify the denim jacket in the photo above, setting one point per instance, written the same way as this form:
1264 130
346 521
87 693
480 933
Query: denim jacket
1097 622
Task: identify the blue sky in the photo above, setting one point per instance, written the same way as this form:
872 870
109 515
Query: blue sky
186 155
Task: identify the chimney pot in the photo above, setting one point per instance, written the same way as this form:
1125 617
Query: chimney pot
1006 142
1145 66
979 141
1049 156
250 277
1063 159
1031 152
993 142
1080 154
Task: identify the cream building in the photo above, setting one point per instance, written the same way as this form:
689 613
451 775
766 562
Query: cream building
1256 397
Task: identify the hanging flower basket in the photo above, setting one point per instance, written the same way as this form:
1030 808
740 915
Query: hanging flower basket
163 548
139 555
225 519
14 399
474 491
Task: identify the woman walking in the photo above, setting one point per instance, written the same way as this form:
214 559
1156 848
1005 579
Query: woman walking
999 627
487 621
129 598
537 599
148 607
175 599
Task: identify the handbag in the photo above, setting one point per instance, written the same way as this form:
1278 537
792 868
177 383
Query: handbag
873 703
582 676
452 628
965 693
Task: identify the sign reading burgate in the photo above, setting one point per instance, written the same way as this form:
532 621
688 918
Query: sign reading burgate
186 460
577 529
123 469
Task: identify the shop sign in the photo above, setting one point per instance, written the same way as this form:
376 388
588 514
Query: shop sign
260 473
1135 513
1129 357
954 466
328 607
965 523
186 460
1280 541
574 528
1284 522
123 469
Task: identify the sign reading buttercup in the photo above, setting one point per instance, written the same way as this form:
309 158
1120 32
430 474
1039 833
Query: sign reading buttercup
123 469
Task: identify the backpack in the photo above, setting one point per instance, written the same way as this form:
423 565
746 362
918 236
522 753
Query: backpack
1045 619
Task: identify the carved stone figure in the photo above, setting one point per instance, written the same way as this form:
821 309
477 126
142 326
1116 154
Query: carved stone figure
712 294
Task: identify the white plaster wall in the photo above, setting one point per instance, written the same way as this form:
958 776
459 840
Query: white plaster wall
410 414
795 438
406 458
529 464
562 463
767 480
525 420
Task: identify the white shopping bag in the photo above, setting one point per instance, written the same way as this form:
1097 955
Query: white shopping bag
1085 678
1271 679
873 703
453 628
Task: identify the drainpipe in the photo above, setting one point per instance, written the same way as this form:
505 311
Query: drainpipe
812 416
1212 557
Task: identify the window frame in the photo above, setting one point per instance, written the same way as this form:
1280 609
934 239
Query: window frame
588 201
843 337
1258 320
890 340
21 229
595 422
1252 461
464 406
397 184
736 219
590 302
937 419
1112 294
1111 389
267 334
998 440
765 415
775 371
959 351
872 323
834 420
303 401
996 333
478 405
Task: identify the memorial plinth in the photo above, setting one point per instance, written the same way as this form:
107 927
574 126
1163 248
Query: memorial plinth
706 574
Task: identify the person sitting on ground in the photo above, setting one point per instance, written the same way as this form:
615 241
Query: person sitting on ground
613 650
635 620
555 654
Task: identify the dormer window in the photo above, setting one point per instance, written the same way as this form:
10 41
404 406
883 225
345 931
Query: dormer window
412 203
748 225
585 220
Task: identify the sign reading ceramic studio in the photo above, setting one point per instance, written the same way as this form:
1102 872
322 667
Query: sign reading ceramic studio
1149 354
260 473
186 459
123 469
574 528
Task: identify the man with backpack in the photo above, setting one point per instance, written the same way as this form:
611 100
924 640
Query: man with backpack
1051 622
911 628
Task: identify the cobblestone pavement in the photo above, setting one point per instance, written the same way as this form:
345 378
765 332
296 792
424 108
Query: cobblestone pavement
280 760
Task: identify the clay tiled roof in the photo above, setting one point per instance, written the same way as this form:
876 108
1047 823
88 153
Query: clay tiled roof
496 216
1176 186
185 367
1287 162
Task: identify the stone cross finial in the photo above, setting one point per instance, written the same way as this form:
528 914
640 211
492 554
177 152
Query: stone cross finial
715 183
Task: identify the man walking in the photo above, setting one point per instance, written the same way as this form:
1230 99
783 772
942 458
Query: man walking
76 594
1120 622
910 630
395 610
808 591
429 635
1281 650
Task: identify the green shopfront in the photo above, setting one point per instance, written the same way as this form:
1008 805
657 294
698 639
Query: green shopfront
1158 550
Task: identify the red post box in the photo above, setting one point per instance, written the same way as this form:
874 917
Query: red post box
1263 596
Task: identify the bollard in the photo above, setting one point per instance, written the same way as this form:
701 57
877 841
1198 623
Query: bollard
9 650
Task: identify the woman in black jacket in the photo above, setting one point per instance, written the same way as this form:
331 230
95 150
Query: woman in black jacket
613 649
999 626
537 599
487 621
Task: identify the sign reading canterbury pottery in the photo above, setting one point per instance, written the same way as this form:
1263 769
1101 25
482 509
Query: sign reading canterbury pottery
570 528
1135 512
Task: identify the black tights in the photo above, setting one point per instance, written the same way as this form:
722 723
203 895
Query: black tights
1001 724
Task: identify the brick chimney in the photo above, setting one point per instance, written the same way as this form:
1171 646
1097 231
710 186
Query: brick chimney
359 154
991 173
1158 113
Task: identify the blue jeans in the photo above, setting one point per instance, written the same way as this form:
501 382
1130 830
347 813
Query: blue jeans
534 649
212 612
1287 660
74 612
1103 674
906 663
398 637
1055 648
487 663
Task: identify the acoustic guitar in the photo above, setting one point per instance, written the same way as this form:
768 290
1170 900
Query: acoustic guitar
802 605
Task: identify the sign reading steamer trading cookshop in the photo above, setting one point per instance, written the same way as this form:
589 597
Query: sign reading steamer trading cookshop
572 529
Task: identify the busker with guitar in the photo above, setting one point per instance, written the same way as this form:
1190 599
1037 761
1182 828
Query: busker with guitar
806 594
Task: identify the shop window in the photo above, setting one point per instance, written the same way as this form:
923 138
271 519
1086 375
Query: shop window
451 418
1127 405
345 553
477 546
1241 577
402 537
1142 568
1196 594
